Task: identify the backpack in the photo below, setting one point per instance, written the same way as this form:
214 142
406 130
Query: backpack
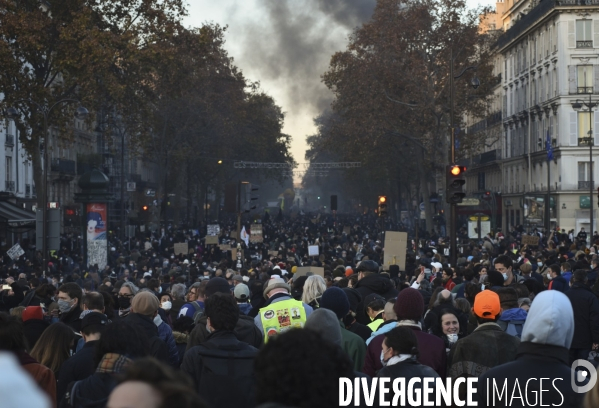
512 327
198 313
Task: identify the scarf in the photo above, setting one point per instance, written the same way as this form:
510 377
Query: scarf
409 323
398 359
124 312
113 363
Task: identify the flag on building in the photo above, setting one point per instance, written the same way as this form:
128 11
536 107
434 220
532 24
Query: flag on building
549 147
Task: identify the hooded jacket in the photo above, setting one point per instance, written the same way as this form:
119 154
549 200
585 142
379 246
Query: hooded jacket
158 348
373 283
559 283
543 353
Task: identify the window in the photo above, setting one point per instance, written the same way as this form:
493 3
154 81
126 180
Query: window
8 171
584 34
584 171
584 78
584 127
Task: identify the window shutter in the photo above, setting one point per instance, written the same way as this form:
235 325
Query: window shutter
572 79
596 78
596 33
571 34
573 129
596 129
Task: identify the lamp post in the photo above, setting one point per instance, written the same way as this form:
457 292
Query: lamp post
589 105
13 114
453 236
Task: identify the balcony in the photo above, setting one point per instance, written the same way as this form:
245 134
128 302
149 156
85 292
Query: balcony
28 190
585 185
584 90
10 140
584 44
64 166
9 185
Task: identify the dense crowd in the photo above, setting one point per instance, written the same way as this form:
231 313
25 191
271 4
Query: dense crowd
155 328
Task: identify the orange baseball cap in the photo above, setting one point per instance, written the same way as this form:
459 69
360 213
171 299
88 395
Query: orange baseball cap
487 304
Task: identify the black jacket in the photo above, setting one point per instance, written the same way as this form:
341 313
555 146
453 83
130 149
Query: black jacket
93 392
76 368
158 348
408 369
245 330
72 319
374 283
33 329
534 361
219 363
586 316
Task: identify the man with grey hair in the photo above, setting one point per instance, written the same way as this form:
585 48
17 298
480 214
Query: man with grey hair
194 307
126 293
178 295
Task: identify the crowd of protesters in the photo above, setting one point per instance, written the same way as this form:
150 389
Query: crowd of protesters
208 329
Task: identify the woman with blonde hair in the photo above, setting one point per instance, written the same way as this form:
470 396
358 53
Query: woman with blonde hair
313 289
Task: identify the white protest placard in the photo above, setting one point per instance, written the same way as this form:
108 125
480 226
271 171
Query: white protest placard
313 250
213 230
15 252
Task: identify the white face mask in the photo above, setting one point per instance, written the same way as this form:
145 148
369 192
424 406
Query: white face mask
540 264
167 305
549 276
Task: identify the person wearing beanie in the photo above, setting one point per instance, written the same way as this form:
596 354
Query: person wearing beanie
33 324
349 321
495 278
488 346
144 307
371 281
409 308
326 323
280 312
335 300
245 329
543 353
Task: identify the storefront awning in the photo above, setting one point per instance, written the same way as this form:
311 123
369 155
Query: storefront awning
14 215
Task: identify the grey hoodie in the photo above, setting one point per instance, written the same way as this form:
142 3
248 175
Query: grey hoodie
550 320
325 322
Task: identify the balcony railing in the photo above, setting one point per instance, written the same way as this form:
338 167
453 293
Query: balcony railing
64 166
585 141
584 44
9 185
10 140
584 185
584 90
28 190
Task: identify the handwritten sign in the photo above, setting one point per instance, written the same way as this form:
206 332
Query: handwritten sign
530 240
256 233
181 248
15 252
213 230
313 250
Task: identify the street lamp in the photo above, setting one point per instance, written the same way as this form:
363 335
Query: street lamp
475 83
578 107
13 114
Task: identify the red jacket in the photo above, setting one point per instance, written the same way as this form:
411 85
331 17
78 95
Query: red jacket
42 375
449 285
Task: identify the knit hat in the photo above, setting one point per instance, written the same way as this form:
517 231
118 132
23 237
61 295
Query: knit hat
94 318
217 285
293 269
495 278
274 283
349 272
242 292
325 323
409 305
237 278
145 303
32 312
335 299
354 298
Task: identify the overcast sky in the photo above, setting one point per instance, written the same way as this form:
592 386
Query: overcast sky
286 45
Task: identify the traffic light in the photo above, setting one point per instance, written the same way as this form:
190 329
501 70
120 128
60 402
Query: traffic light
144 208
382 210
454 183
487 196
249 196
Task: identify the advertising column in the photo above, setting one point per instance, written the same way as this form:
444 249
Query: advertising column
97 240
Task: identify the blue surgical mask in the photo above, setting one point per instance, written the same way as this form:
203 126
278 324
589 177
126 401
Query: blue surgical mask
540 264
504 276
